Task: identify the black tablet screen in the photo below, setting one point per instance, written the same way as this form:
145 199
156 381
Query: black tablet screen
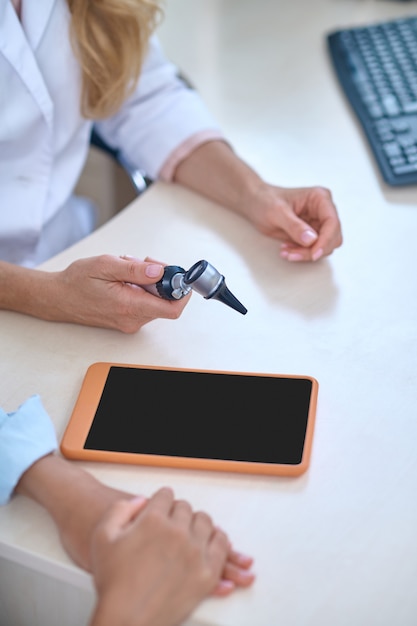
208 415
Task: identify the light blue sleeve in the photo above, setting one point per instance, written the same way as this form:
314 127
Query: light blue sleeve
26 435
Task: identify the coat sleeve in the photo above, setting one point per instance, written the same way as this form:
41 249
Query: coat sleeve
26 435
162 114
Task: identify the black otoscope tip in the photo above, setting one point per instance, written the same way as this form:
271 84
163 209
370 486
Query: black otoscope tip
225 295
209 283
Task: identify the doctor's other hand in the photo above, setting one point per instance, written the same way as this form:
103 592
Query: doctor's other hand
102 291
305 219
154 561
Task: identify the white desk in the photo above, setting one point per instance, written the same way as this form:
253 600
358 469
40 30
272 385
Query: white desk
337 546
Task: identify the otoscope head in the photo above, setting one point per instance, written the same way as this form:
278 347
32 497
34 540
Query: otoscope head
208 282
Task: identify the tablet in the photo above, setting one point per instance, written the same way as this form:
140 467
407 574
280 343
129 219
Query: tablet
188 418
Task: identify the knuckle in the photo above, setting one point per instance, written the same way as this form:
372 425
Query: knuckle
222 538
194 556
324 192
207 578
155 520
131 269
181 535
102 260
184 505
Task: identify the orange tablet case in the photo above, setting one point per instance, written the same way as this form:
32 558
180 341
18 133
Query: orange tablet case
75 435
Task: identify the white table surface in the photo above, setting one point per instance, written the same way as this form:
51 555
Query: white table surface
336 546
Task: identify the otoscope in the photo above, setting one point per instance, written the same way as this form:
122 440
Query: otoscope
201 277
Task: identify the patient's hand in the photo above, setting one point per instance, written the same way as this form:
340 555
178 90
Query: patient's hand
153 562
79 503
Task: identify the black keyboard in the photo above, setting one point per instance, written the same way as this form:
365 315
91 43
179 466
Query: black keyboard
377 69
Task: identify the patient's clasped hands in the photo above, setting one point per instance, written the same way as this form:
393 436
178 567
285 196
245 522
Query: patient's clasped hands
158 559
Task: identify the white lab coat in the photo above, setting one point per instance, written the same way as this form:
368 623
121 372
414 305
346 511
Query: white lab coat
44 140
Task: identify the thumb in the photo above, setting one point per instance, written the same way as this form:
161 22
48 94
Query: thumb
120 515
297 230
138 272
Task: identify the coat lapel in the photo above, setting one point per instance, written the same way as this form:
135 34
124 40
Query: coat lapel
16 47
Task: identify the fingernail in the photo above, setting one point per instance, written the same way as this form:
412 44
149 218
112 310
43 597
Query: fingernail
152 270
243 559
317 255
226 585
308 236
295 256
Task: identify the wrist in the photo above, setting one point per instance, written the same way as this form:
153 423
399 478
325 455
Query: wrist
215 171
74 498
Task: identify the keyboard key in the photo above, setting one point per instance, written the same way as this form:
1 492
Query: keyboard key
391 105
405 169
392 149
400 126
410 107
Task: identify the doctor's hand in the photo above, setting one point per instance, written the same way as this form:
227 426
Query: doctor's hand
305 220
105 291
154 561
102 291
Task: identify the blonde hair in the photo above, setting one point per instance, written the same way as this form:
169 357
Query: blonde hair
110 39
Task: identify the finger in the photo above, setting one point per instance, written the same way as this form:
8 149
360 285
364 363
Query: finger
321 210
313 211
235 574
217 553
150 259
295 253
241 577
139 272
182 513
224 588
202 526
296 229
147 259
330 237
141 307
127 269
243 561
291 252
162 501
